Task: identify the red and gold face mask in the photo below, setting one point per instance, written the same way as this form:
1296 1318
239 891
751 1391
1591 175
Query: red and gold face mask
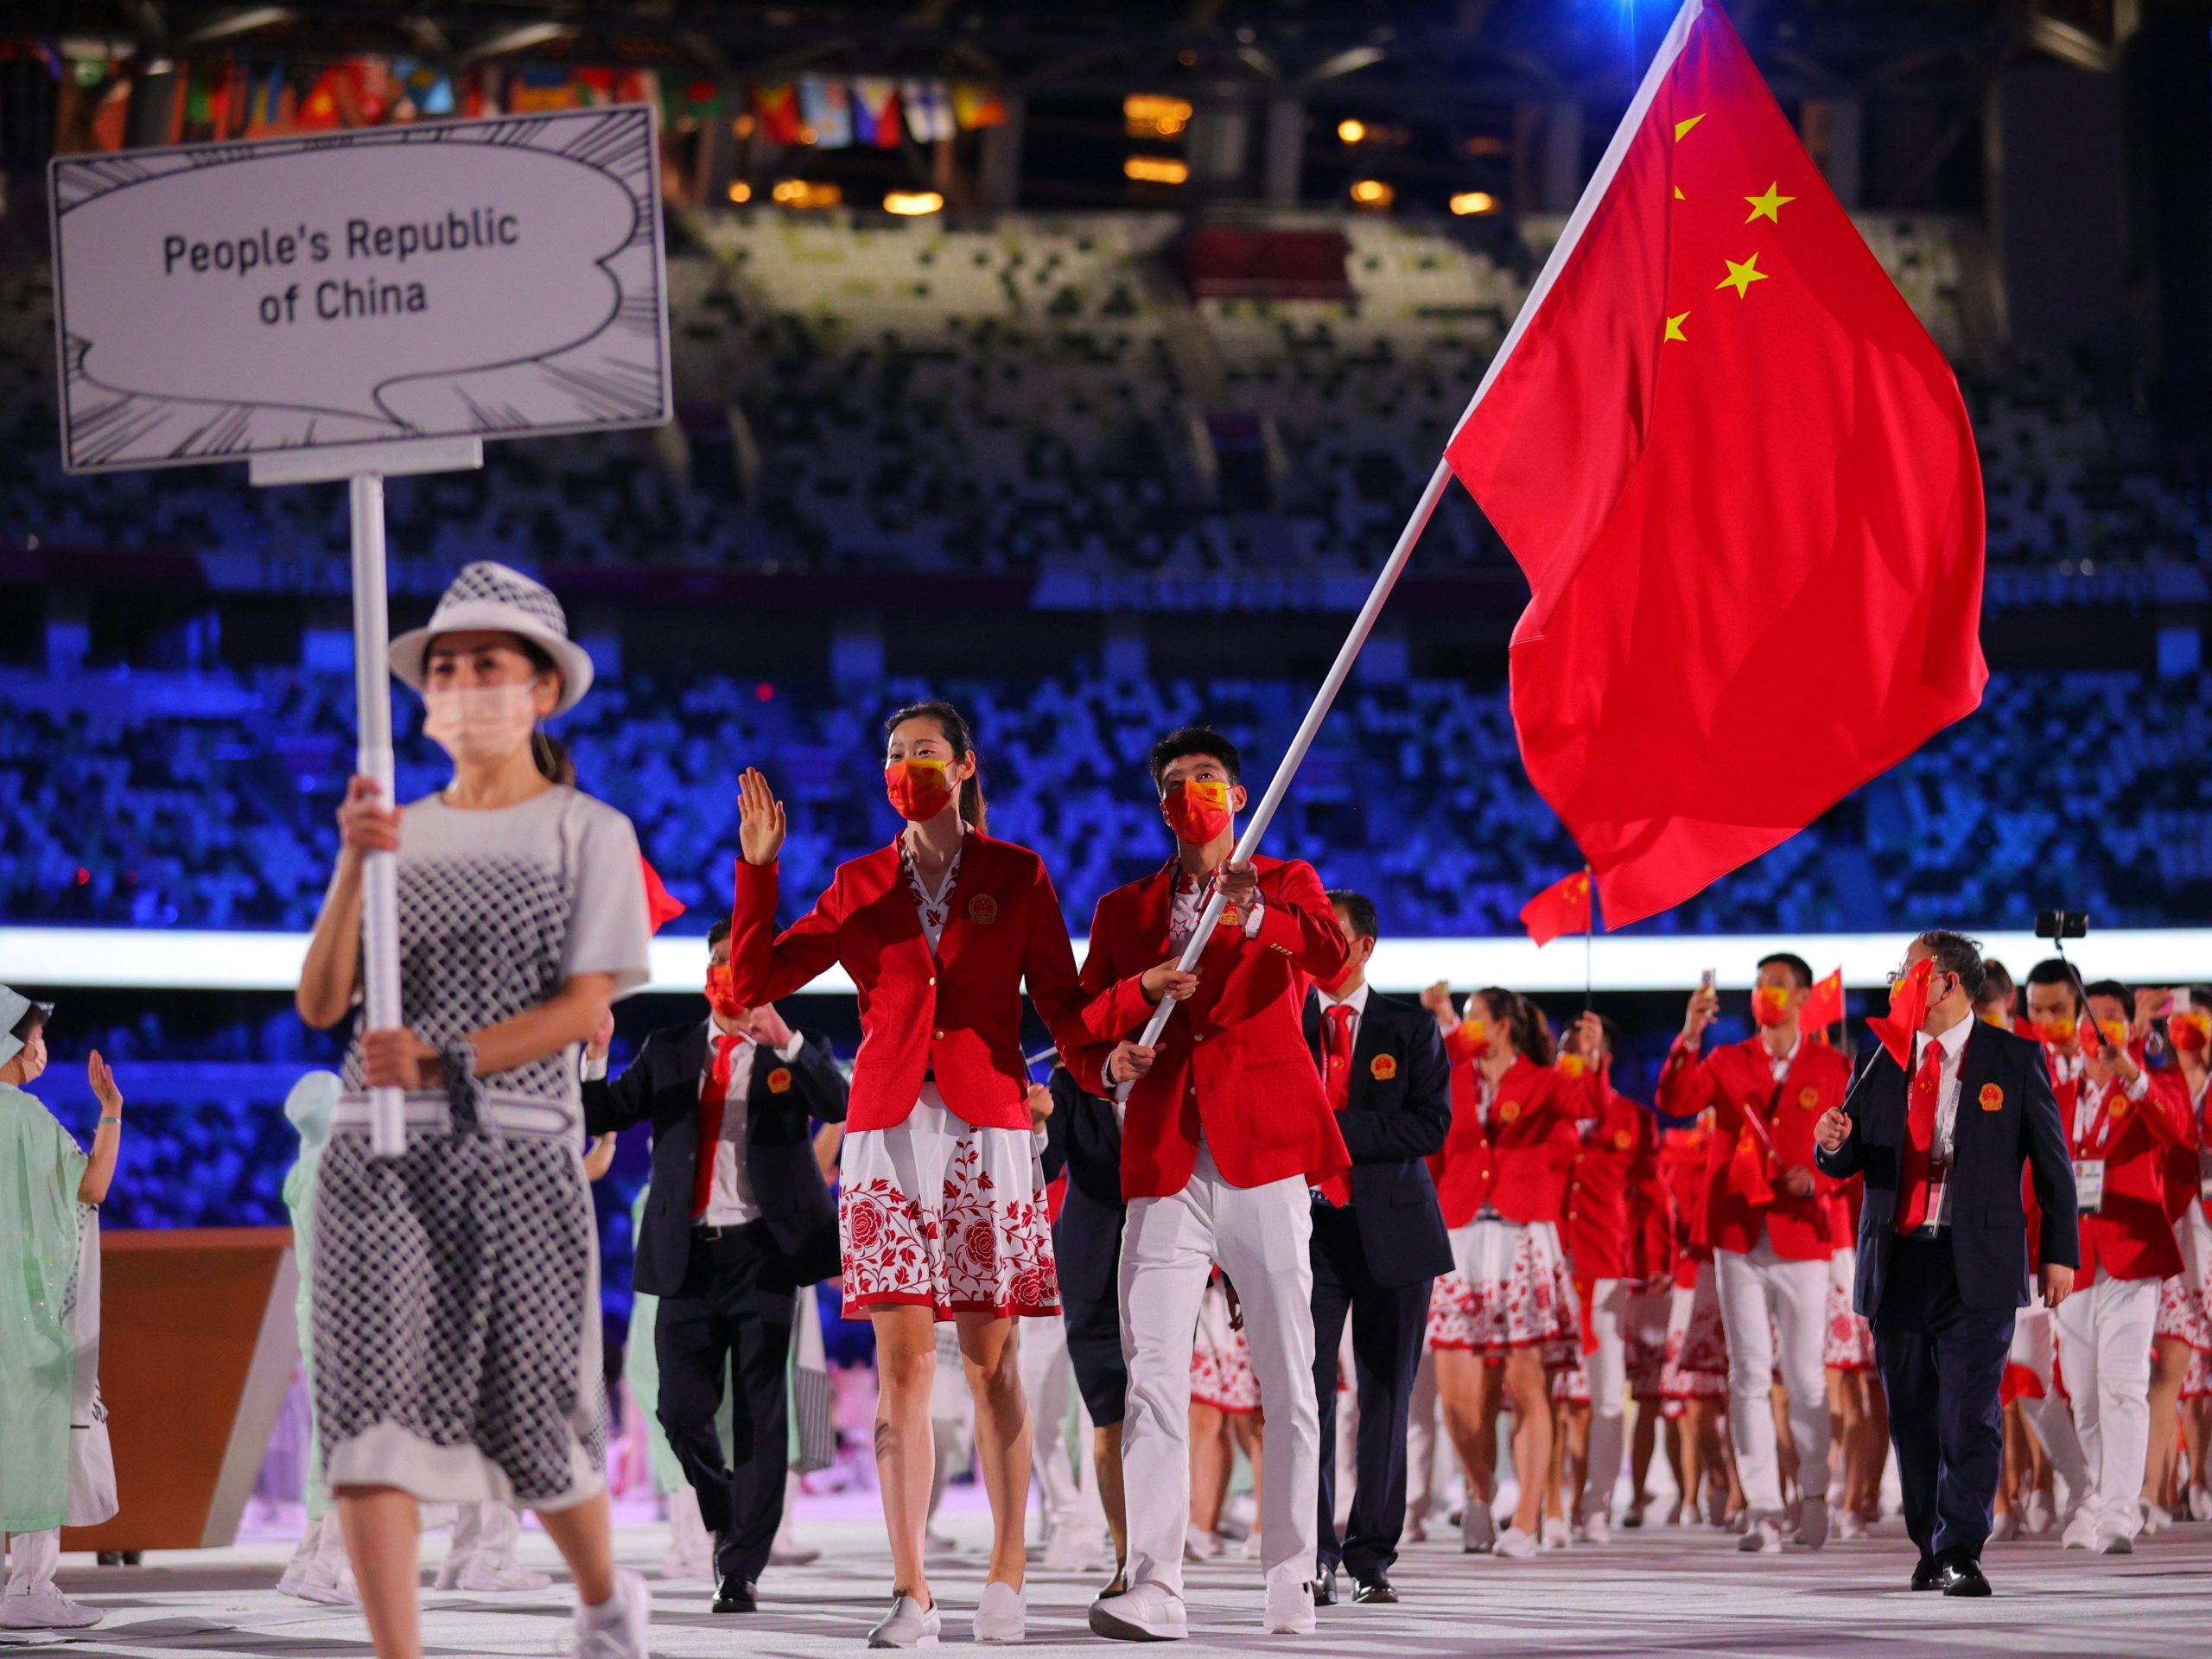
2114 1031
2192 1032
2056 1029
1476 1030
1770 1006
918 788
1198 810
721 992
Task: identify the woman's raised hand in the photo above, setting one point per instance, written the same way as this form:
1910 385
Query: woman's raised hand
759 818
366 825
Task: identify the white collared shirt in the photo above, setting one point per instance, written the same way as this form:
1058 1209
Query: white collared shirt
1183 915
1953 1042
1778 1065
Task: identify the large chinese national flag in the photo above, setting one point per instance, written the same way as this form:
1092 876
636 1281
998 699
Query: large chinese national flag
1739 477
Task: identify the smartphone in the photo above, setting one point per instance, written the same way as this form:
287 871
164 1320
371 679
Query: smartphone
1709 979
2181 1002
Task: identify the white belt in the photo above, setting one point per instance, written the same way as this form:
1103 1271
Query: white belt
429 1114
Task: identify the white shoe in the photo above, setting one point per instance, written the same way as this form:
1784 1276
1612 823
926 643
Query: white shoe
2113 1542
1143 1612
1764 1539
46 1610
1555 1534
791 1555
449 1576
1290 1609
1417 1530
2156 1517
1597 1529
1201 1547
1250 1550
1002 1614
2007 1529
1516 1545
2200 1502
481 1578
906 1625
936 1543
1478 1529
2082 1531
1813 1524
2043 1515
1066 1551
1851 1526
618 1631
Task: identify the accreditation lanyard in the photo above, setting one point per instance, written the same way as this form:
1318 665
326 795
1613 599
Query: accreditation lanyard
2089 1152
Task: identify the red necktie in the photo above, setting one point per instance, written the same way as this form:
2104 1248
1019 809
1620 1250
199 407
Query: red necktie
1335 1083
1919 1141
714 1096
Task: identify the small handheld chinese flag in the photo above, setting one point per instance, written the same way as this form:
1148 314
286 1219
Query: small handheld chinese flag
662 906
1563 907
1908 1008
1738 475
1824 1007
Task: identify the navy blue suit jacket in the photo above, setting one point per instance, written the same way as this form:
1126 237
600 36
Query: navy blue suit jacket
662 1084
1989 1224
1392 1125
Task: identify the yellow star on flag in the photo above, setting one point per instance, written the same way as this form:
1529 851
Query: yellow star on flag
1679 196
1741 277
1681 127
1768 205
1675 328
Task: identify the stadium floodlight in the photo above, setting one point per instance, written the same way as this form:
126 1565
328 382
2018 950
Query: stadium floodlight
1351 131
1155 169
1473 201
911 204
1372 192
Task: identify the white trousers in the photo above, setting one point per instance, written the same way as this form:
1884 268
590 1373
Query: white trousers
1762 1297
2104 1353
1260 1237
489 1531
1607 1370
1048 1382
33 1560
2035 1343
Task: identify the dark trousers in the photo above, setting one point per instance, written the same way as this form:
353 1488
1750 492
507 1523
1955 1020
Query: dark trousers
734 1315
1942 1362
1386 1324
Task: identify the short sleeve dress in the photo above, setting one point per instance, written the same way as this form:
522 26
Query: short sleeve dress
456 1287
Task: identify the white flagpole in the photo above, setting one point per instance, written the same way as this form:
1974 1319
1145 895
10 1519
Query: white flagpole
372 758
1248 842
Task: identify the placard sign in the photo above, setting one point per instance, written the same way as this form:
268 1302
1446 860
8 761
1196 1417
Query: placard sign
466 278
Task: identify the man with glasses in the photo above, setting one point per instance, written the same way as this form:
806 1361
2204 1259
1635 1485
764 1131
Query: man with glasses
1942 1243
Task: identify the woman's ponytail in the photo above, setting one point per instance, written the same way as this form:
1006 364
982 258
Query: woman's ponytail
1532 1033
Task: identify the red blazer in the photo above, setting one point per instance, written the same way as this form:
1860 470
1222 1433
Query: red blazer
1504 1156
1233 1058
1743 1184
956 1015
1618 1147
1683 1157
2131 1237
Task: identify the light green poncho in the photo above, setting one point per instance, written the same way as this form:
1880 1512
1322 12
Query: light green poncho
40 1167
309 1106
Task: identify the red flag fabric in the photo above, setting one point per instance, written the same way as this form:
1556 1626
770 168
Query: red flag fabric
1908 1008
1824 1007
662 906
1739 479
1563 907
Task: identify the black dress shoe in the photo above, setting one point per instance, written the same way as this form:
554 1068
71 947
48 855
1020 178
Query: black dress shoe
1928 1573
1963 1578
1374 1590
1325 1588
735 1596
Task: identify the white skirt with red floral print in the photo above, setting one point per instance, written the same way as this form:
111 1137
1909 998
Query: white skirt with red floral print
1221 1359
1697 1347
1643 1337
2185 1300
934 1212
1519 1293
1848 1345
1451 1315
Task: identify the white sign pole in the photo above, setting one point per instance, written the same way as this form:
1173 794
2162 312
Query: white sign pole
373 761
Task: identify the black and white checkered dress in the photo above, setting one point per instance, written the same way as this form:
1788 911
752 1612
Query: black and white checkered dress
455 1288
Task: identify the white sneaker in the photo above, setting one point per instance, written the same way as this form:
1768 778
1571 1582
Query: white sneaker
1554 1533
1002 1614
1250 1550
2008 1528
1143 1612
2200 1502
1200 1547
936 1543
1851 1526
1417 1529
1516 1545
482 1578
2082 1531
906 1625
2043 1515
1478 1529
2156 1517
619 1630
47 1609
1813 1524
1597 1529
2112 1540
1763 1538
1290 1609
1068 1551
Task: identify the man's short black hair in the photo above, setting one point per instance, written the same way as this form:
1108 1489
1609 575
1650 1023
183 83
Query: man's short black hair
1195 740
1359 910
2111 988
2051 971
1799 968
1606 1024
1996 982
1954 953
718 932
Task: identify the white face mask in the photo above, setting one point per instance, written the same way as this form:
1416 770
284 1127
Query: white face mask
482 724
33 1057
